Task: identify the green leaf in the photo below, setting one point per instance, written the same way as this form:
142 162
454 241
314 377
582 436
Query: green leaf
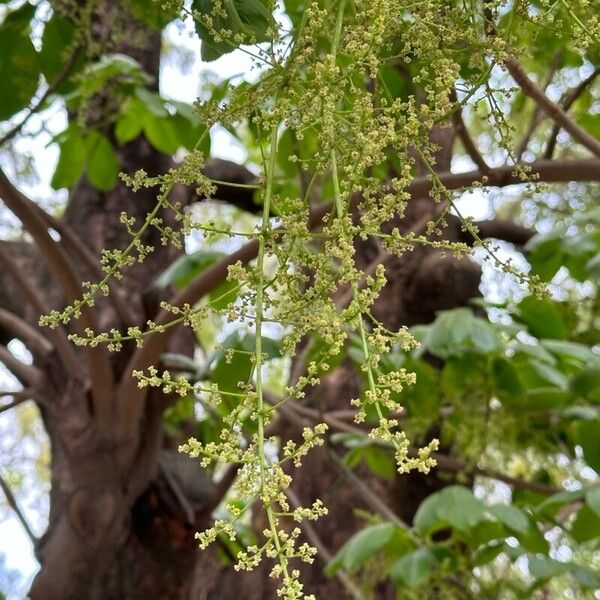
506 380
394 82
127 129
533 540
187 267
71 160
567 349
549 374
587 385
592 499
545 256
551 504
249 19
112 67
545 398
161 133
591 122
360 547
19 62
228 374
512 516
586 577
543 567
592 267
155 14
152 102
542 318
102 162
586 525
380 462
454 506
457 331
285 148
414 568
57 45
488 553
587 435
189 132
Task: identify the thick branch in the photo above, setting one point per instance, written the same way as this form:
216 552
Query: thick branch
444 462
501 229
553 110
26 373
25 332
234 183
98 362
536 117
33 296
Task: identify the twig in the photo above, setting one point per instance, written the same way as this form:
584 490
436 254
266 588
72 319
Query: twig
18 398
553 110
536 116
566 104
14 403
12 502
465 138
62 76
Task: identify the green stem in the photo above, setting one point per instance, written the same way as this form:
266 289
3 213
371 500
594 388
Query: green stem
259 305
259 309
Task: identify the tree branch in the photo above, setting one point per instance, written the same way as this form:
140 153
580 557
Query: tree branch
18 398
29 374
553 110
99 368
12 502
465 138
374 501
25 332
57 335
536 117
501 229
566 104
444 462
